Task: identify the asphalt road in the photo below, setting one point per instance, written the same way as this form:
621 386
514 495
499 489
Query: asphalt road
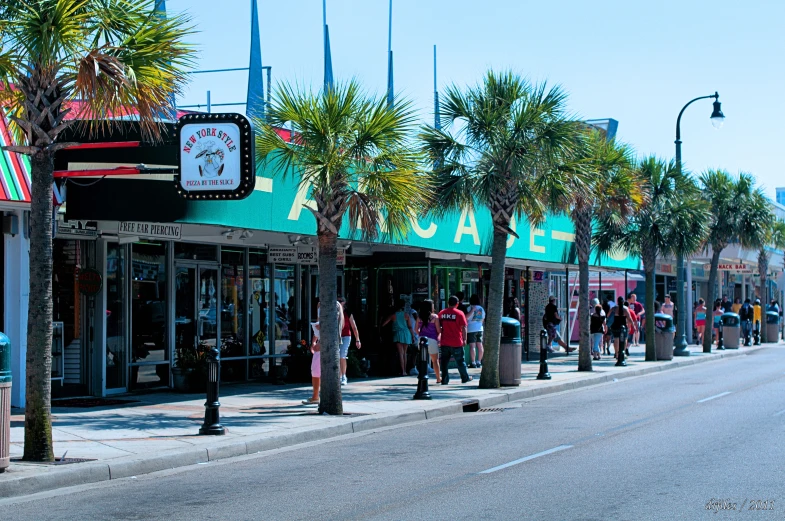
675 445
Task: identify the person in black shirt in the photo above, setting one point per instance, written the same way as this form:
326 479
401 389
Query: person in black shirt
551 321
727 305
597 329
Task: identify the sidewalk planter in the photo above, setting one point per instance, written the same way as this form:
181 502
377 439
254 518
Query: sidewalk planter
663 336
510 353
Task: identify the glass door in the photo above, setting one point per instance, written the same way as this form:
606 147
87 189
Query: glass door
196 309
116 318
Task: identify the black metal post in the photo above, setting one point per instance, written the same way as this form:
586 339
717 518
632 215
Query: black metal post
422 369
525 317
680 344
622 345
212 417
544 374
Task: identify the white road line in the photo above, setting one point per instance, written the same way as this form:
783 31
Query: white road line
726 393
527 458
780 413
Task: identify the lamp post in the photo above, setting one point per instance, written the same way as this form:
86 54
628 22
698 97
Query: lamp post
717 119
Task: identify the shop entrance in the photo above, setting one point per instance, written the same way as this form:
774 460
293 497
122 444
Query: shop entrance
195 308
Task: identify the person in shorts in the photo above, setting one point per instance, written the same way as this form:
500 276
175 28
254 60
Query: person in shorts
428 326
452 330
349 327
316 366
475 318
551 321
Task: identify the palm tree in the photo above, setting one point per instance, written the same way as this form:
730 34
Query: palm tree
612 189
687 229
769 232
112 57
645 233
731 209
352 152
515 133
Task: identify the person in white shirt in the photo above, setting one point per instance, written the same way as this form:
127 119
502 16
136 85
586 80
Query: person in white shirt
475 317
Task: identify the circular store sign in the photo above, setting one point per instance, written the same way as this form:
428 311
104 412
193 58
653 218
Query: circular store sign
216 156
90 282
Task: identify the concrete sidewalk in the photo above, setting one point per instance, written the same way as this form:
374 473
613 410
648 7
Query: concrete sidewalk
158 431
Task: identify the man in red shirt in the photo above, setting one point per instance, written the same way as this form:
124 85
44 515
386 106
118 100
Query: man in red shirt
452 329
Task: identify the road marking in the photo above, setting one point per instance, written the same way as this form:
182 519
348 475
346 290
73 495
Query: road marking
779 413
527 458
726 393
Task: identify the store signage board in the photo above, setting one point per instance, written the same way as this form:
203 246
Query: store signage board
151 230
215 156
282 255
308 255
76 230
743 269
90 282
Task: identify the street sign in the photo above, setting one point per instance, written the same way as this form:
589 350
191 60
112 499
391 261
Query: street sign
216 157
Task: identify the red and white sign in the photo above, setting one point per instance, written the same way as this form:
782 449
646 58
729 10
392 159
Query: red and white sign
732 267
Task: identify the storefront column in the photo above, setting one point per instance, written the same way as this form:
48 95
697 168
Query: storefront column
16 275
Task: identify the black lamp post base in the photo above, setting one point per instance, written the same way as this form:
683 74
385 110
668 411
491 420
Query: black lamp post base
212 430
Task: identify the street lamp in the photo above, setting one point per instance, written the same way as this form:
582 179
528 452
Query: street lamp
717 119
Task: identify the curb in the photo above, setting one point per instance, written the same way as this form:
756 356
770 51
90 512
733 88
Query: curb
80 474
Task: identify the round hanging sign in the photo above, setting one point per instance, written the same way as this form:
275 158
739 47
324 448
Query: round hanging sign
90 282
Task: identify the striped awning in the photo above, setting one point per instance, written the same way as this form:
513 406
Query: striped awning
14 170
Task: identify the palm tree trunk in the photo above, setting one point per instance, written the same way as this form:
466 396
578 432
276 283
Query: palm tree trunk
582 222
489 379
715 263
38 394
330 399
649 261
763 269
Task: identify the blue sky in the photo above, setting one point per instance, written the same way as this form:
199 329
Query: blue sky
636 61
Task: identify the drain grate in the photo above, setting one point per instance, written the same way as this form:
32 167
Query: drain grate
57 461
492 409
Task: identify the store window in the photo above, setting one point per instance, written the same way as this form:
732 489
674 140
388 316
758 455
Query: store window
149 339
202 252
285 329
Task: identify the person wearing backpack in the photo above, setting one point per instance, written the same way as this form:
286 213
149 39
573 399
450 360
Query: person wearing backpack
746 314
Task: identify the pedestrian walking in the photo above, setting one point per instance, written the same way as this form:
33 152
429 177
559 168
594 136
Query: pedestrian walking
621 318
513 309
551 321
606 339
639 311
349 327
428 326
452 329
403 332
727 305
667 307
316 366
475 318
736 306
700 321
598 330
757 323
717 319
746 317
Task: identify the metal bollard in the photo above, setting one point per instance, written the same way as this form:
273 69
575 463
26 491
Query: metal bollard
620 362
212 417
422 369
544 374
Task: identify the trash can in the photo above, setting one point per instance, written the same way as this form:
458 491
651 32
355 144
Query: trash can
663 336
5 402
731 330
772 326
510 351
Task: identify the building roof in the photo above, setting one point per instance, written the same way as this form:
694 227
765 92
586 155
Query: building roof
14 170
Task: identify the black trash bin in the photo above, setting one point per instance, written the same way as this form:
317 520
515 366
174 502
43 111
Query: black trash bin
772 326
731 330
663 336
510 351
